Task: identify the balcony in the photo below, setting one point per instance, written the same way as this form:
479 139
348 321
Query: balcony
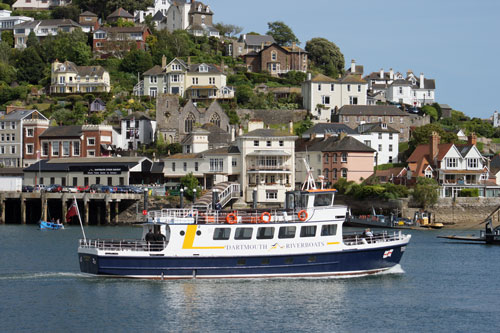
255 167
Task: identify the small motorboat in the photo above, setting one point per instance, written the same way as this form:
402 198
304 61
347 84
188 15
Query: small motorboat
44 225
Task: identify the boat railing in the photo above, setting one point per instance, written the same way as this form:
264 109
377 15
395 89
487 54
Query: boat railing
360 239
122 245
172 213
245 217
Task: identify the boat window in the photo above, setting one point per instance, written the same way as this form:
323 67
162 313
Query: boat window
308 231
241 262
287 232
323 199
243 233
311 259
222 233
329 230
265 233
265 261
289 261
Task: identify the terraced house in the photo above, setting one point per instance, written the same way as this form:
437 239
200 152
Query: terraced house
193 81
68 78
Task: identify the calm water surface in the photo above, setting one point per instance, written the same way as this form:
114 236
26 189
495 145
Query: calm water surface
440 287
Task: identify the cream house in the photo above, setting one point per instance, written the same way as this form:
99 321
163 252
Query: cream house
67 78
193 81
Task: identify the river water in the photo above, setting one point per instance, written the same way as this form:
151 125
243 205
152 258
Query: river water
440 287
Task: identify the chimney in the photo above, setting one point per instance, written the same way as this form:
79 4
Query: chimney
342 135
233 133
381 73
163 62
421 80
353 66
472 139
293 46
434 145
290 127
11 108
391 74
312 137
309 76
189 60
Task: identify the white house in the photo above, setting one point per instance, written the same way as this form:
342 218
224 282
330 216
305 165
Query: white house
136 129
322 94
411 90
382 138
8 22
161 6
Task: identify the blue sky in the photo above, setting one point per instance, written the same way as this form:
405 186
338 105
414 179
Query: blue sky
454 42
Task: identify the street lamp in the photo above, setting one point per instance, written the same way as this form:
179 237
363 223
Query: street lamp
182 197
194 195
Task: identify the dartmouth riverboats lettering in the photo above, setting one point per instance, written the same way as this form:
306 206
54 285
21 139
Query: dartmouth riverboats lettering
304 245
275 246
246 247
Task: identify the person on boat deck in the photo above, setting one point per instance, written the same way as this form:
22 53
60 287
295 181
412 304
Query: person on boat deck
150 237
159 240
58 221
368 233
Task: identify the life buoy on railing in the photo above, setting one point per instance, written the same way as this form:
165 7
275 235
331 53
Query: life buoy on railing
302 215
231 218
265 217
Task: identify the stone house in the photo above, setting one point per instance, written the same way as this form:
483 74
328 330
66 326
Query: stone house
248 43
120 13
277 59
175 122
89 21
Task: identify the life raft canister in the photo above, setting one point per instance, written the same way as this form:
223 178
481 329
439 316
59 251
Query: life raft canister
231 218
265 217
302 215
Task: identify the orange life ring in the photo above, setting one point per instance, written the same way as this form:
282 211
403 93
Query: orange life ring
263 219
231 218
302 215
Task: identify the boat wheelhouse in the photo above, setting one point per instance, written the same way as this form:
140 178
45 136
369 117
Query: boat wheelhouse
305 238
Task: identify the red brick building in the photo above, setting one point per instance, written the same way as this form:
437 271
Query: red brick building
119 40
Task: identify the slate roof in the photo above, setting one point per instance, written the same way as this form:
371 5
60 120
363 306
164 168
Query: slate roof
64 164
18 115
88 13
118 30
373 110
217 134
332 144
358 70
375 127
324 128
352 78
62 131
158 16
266 132
120 12
211 68
322 78
376 76
81 70
220 151
156 70
137 116
257 40
59 22
194 8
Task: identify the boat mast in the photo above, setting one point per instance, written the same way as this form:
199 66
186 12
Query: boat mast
309 183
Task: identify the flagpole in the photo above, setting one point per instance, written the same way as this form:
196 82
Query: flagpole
80 219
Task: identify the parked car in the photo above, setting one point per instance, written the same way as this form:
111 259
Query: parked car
84 189
70 189
54 188
39 188
28 188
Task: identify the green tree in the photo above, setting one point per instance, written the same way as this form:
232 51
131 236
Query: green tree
228 30
304 126
431 111
33 40
7 73
66 12
30 67
422 134
282 33
105 8
425 192
190 182
136 61
8 37
326 56
67 46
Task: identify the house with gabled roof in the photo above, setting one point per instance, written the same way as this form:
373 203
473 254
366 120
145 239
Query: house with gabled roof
120 13
334 157
454 167
136 129
42 29
247 43
117 41
382 138
193 81
89 21
68 78
277 59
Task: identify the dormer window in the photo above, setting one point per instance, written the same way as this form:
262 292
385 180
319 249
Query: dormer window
203 68
384 126
199 8
62 68
208 9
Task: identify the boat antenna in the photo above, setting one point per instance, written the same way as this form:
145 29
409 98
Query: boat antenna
309 183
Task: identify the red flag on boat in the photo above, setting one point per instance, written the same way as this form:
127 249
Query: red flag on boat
72 211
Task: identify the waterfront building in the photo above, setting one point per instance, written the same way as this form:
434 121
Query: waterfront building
136 129
18 128
454 167
68 78
382 138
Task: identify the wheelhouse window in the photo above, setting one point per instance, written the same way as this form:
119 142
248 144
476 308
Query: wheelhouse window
329 230
308 231
265 233
243 233
222 233
286 232
323 199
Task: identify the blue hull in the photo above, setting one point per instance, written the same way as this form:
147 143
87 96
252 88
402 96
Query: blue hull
326 264
50 226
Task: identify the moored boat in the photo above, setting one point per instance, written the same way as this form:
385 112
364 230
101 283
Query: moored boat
44 225
305 239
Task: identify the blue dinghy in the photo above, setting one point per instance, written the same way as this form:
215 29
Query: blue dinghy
50 225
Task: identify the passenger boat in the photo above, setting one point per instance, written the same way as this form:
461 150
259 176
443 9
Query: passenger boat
44 225
305 239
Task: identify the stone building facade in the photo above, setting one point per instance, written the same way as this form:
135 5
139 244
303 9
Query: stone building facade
174 122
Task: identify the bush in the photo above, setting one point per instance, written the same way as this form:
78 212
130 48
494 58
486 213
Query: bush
469 193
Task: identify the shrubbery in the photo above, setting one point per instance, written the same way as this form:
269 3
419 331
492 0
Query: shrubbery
469 193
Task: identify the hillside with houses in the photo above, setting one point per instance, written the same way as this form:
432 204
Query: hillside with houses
165 88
